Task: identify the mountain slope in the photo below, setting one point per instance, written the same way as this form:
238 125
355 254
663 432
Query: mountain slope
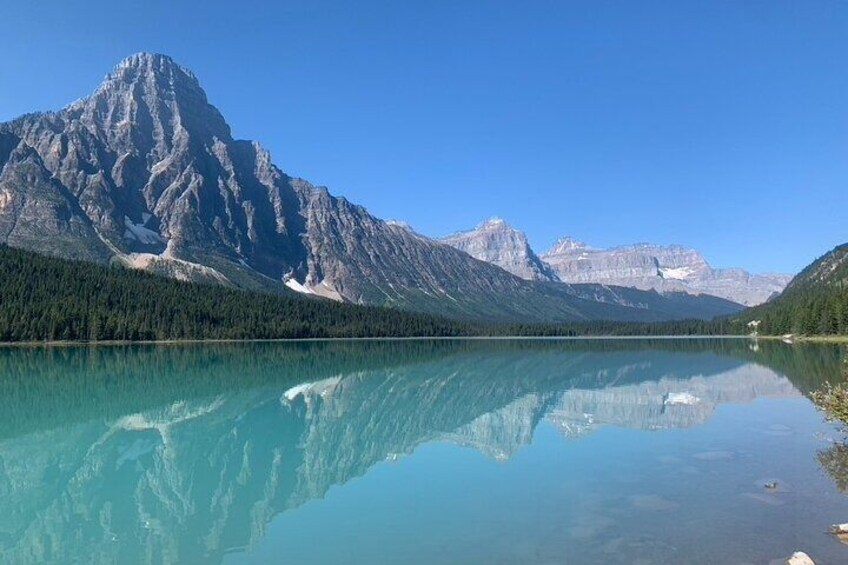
814 302
54 299
496 242
663 268
145 172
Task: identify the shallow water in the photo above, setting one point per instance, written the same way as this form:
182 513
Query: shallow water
542 451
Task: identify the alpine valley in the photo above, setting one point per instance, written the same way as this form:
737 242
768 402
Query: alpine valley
145 173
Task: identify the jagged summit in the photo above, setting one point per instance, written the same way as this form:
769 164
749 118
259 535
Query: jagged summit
151 73
566 244
494 222
666 268
148 62
496 242
153 95
145 172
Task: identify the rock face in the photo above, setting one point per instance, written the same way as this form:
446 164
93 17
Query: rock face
146 172
672 269
663 268
496 242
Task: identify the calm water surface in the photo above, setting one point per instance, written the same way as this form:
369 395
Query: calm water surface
543 451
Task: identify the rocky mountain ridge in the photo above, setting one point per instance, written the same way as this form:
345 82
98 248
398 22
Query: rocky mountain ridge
494 241
666 269
145 172
663 268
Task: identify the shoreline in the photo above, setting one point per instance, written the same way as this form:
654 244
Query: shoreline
805 338
836 339
117 343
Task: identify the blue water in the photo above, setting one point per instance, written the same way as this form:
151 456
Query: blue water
545 451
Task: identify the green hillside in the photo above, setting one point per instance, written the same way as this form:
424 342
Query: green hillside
814 303
45 298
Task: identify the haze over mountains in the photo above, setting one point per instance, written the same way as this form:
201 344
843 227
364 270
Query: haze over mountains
643 266
146 173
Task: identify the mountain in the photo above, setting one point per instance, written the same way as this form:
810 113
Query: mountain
47 298
145 173
663 268
496 242
814 302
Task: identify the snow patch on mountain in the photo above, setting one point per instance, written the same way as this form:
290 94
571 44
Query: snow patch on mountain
297 287
671 268
141 233
678 273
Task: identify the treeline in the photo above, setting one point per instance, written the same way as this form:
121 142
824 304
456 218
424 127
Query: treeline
723 326
44 298
822 311
49 299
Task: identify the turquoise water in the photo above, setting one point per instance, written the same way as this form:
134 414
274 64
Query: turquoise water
505 451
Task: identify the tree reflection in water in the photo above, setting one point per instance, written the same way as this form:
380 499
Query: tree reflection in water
834 460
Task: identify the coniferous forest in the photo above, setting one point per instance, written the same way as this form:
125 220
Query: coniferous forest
49 299
44 298
814 303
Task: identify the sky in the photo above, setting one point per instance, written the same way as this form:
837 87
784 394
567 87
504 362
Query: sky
719 125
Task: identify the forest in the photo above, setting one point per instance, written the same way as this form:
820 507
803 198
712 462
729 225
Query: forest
814 303
50 299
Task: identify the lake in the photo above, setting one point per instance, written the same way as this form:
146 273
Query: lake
430 451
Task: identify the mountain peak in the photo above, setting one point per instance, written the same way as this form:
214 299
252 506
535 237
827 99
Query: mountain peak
494 222
149 96
154 74
565 245
494 241
151 64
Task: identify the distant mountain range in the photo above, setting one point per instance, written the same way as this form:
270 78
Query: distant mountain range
643 266
146 173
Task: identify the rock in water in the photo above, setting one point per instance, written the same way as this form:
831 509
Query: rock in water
800 558
840 532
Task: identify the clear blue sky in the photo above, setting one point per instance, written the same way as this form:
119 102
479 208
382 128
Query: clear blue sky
722 125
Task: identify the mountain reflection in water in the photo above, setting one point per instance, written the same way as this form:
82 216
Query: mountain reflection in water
185 453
